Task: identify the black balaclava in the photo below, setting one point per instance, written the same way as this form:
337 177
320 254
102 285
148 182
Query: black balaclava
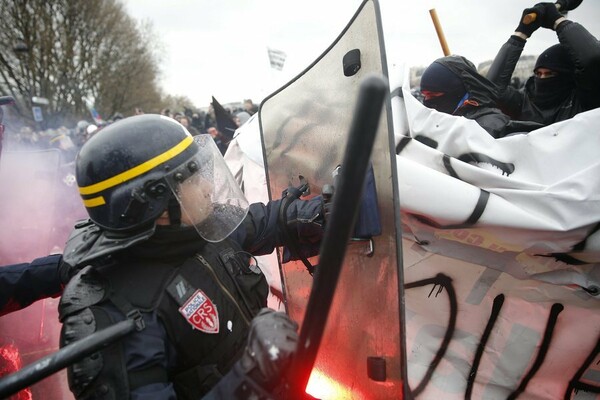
438 78
550 92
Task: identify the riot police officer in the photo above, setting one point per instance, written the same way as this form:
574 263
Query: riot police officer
169 243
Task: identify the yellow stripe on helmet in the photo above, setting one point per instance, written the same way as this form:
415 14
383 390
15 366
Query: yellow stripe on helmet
94 202
137 170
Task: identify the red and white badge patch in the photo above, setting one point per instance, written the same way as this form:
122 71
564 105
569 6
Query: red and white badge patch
201 313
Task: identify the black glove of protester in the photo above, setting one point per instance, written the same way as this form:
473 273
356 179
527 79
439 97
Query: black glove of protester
549 15
529 28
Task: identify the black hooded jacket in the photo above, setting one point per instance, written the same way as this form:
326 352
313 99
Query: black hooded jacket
481 102
584 50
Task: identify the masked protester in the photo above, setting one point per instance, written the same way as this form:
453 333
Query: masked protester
453 86
566 78
170 243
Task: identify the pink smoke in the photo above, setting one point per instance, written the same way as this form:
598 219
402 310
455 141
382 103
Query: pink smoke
39 203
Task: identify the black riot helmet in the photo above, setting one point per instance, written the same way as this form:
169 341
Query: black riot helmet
135 169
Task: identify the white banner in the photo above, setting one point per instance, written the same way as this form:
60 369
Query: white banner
500 256
526 204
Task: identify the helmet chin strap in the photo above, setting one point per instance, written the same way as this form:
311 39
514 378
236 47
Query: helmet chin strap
174 210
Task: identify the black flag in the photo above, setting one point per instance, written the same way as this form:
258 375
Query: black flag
225 123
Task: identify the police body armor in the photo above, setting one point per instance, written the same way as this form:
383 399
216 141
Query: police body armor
205 303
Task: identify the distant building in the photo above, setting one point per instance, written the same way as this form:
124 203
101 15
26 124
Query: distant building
234 106
523 70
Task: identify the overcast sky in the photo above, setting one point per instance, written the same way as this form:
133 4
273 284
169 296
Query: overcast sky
219 47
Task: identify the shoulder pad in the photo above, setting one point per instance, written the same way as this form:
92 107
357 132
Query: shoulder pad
84 290
89 244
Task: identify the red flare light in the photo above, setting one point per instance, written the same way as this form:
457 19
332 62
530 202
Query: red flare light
10 361
323 387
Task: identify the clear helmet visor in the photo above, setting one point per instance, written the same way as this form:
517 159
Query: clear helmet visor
209 197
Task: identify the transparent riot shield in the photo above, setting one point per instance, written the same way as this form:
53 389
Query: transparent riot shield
304 128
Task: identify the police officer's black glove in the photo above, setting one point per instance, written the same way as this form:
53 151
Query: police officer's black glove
327 204
528 26
549 15
272 341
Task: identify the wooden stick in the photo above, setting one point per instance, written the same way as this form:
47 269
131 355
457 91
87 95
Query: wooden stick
439 31
529 18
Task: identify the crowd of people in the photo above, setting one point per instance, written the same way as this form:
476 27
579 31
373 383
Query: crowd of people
70 139
208 122
156 218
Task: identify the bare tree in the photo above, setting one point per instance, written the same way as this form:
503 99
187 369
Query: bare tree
179 103
74 53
